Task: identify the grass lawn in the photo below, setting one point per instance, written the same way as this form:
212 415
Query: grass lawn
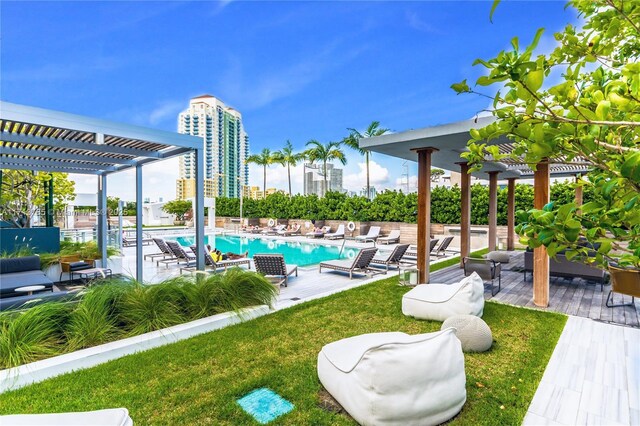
197 381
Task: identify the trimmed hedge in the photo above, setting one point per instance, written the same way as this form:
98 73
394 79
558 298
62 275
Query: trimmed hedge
390 206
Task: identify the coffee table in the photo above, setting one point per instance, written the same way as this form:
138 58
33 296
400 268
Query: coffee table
29 289
91 273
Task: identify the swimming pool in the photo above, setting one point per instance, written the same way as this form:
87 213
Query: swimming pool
297 253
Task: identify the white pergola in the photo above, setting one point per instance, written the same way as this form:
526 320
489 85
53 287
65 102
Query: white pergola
51 141
441 146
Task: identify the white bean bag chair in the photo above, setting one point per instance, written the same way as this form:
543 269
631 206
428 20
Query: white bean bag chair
110 417
440 301
396 379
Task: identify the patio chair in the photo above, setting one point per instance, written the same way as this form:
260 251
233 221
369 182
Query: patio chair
392 238
290 232
339 234
488 270
393 258
274 230
318 234
179 253
273 265
623 281
372 235
359 264
213 265
441 250
163 247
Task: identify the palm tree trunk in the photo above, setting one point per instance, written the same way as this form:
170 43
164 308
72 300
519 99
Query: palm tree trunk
289 176
366 156
326 188
264 182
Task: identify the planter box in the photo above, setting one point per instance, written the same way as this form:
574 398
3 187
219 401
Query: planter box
17 377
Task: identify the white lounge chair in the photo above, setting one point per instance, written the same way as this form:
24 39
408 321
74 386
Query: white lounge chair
339 234
440 301
318 234
394 379
392 238
372 235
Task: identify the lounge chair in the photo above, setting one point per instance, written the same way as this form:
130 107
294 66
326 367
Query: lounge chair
372 235
131 242
339 234
215 265
441 250
179 255
273 265
413 250
359 264
392 258
392 238
623 281
318 234
164 250
290 232
488 270
274 230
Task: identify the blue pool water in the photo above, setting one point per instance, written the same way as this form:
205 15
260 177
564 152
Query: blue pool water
297 253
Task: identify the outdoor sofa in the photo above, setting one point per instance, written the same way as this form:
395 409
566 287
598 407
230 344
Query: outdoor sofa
560 266
19 272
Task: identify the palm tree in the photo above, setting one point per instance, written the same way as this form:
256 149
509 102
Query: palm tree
263 159
353 141
324 154
288 158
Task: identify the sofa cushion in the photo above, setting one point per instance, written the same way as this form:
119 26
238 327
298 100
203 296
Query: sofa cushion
9 282
110 417
19 264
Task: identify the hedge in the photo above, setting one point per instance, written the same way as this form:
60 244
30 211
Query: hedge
390 206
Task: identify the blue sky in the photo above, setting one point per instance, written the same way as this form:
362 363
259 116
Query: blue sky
296 70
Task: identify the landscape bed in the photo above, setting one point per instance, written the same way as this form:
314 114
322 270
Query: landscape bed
197 381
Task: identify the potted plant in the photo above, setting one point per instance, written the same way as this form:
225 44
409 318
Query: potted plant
178 208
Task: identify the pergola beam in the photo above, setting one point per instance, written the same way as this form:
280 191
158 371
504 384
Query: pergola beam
511 212
64 155
10 166
33 164
493 210
139 253
71 144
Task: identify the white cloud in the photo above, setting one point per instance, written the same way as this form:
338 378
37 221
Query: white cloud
415 22
378 177
165 110
401 184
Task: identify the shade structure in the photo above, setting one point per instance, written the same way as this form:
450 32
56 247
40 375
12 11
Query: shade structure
38 139
448 142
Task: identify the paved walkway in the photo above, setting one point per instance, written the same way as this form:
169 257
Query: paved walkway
593 377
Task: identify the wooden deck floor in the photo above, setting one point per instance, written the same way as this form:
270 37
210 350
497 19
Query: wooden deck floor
570 296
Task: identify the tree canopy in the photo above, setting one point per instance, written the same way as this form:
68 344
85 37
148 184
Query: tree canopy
592 114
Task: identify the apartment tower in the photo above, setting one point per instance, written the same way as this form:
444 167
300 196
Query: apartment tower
226 147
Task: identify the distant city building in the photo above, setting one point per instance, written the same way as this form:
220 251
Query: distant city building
226 147
373 192
314 179
254 192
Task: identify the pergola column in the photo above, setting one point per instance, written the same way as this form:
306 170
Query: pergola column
424 211
139 253
511 212
199 208
540 256
101 227
493 210
465 212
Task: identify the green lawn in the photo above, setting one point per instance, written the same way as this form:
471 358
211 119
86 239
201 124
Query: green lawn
197 381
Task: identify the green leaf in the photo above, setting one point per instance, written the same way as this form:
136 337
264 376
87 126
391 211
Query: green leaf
535 41
602 110
548 207
461 87
631 167
534 79
493 9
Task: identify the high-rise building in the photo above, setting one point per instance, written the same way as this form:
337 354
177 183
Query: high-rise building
256 192
226 147
314 179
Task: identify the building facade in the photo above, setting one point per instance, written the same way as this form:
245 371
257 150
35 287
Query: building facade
226 147
256 192
314 179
